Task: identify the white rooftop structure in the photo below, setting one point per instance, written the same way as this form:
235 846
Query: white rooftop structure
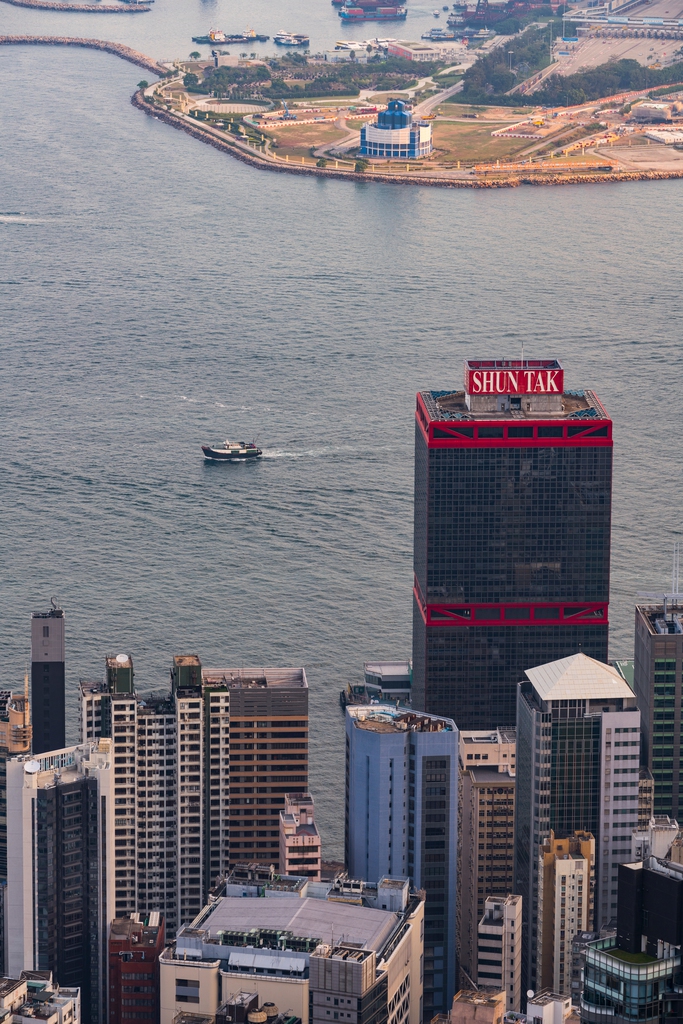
327 920
578 678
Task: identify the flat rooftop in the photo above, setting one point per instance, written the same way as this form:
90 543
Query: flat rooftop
491 775
252 678
388 718
659 623
452 405
304 918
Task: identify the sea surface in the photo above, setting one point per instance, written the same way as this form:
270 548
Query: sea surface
155 294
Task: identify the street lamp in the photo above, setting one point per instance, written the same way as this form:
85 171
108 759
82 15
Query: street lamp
510 53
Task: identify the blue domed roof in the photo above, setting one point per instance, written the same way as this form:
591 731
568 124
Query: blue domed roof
395 116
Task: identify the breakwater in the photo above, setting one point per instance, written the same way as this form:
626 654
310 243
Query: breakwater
118 49
48 5
509 181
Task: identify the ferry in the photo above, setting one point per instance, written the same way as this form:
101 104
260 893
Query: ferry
291 39
217 36
373 13
231 451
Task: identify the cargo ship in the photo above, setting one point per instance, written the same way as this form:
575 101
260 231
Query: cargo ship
291 39
373 13
216 36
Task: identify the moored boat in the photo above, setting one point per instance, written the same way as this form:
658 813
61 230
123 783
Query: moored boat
231 451
291 39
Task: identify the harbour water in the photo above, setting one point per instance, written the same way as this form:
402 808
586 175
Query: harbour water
155 294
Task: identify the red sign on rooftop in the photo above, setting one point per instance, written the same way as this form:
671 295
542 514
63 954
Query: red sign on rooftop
513 377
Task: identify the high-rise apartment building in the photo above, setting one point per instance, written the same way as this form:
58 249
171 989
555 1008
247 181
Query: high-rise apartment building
657 681
402 821
566 880
144 734
513 482
60 868
578 755
134 949
15 738
172 751
499 948
47 680
300 851
487 816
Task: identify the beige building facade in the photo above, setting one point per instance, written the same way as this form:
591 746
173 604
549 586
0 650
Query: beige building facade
487 808
328 957
300 850
565 905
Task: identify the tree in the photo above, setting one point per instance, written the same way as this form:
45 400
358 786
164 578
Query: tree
361 166
195 55
190 81
322 162
143 84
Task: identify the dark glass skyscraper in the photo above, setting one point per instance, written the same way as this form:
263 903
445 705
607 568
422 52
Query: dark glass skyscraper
513 490
47 680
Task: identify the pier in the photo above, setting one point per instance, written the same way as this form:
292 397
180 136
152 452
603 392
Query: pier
118 49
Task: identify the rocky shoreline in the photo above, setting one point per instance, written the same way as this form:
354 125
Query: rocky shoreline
118 49
511 181
247 157
48 5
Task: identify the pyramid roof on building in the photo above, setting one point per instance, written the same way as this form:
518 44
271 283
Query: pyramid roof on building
578 678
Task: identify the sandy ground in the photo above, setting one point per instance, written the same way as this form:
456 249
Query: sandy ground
590 53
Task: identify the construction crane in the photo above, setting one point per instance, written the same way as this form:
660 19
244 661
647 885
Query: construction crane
287 116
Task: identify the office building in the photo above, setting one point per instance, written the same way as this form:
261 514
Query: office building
513 480
268 751
300 851
657 684
578 755
499 948
402 821
60 869
34 995
47 680
477 1006
655 840
345 951
134 949
487 813
566 880
636 975
395 134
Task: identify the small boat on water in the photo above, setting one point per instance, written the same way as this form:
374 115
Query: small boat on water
291 39
231 451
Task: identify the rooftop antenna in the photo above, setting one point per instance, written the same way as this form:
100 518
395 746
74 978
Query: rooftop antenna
675 597
675 581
